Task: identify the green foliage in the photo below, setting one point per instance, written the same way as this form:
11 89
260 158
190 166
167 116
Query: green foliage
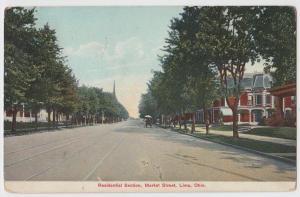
210 44
93 101
37 76
275 36
278 132
148 106
18 44
187 81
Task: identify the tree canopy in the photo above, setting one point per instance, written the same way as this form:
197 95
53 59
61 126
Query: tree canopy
36 74
209 46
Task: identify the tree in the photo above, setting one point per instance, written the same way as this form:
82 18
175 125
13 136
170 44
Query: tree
275 37
69 93
37 75
18 43
200 77
92 101
226 38
52 70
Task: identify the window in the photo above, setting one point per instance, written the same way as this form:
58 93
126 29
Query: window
268 99
258 99
267 82
249 100
293 99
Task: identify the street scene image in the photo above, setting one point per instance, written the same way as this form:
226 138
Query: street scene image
150 93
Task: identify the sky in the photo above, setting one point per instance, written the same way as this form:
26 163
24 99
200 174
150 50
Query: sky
103 44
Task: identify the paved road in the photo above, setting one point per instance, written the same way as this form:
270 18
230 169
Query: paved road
127 151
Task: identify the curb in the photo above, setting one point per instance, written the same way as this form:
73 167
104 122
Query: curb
30 131
286 160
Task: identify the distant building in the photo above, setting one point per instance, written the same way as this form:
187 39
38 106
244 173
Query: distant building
114 90
26 116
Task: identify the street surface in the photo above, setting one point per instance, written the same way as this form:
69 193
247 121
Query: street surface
127 151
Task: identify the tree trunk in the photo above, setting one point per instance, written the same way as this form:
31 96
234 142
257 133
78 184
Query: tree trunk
235 122
174 121
193 123
180 122
234 108
49 116
53 117
35 120
57 118
206 120
14 119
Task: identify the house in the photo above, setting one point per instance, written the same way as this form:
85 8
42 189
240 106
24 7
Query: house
256 102
24 115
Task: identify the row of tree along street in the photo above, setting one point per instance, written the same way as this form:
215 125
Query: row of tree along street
37 76
207 46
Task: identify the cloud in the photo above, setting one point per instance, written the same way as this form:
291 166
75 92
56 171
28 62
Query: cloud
86 50
130 47
126 53
129 62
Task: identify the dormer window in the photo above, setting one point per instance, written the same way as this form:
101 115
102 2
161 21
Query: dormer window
258 99
267 82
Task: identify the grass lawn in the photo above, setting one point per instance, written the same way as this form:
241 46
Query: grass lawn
225 127
222 128
25 127
280 132
267 147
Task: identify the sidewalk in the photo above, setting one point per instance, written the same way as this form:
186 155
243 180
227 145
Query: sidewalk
276 148
282 141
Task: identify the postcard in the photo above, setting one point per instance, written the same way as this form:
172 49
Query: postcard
178 98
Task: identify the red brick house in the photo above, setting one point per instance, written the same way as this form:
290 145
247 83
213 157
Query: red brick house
256 102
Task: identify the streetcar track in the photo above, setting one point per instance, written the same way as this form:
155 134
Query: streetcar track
40 153
66 158
37 146
98 164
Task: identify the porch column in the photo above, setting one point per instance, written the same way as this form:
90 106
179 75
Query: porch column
279 106
250 116
283 107
265 113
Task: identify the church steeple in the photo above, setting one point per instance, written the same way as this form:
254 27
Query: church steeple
114 89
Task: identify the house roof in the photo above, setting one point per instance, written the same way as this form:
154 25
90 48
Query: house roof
284 90
254 81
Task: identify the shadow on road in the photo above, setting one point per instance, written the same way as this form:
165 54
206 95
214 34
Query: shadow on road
248 160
